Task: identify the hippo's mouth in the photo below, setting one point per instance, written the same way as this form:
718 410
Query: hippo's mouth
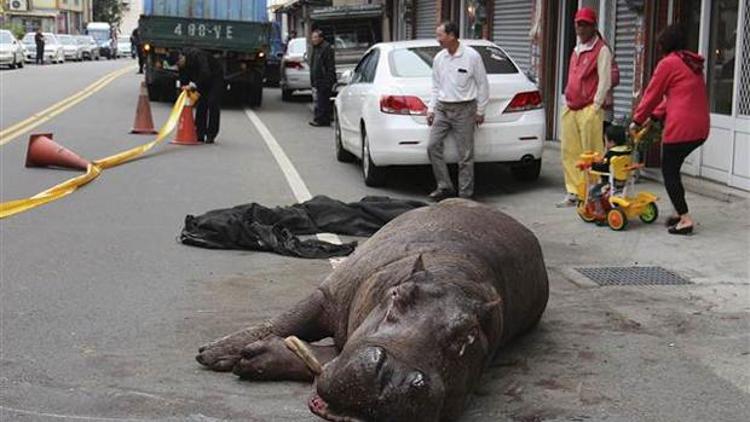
319 406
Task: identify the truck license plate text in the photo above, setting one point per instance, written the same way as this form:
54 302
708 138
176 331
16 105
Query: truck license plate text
204 31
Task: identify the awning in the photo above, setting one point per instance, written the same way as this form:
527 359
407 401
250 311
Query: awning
354 12
30 13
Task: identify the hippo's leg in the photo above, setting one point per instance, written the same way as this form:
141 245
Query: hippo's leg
270 360
305 320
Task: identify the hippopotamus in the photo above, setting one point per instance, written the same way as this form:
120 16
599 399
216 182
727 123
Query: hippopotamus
416 314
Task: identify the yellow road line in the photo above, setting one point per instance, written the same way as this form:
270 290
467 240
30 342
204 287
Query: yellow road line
18 129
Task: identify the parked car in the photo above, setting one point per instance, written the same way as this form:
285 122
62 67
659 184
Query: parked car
90 49
73 50
102 33
11 51
295 73
380 115
124 49
53 49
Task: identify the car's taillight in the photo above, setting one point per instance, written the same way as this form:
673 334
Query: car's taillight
524 101
402 104
293 65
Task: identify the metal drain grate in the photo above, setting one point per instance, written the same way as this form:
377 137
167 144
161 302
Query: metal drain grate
632 276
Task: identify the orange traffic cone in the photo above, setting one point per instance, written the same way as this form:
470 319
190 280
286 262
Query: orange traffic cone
144 123
44 152
186 131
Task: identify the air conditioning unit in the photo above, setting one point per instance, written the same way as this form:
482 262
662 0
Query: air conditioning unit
19 5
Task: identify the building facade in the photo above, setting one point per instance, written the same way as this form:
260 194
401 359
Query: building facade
60 16
540 36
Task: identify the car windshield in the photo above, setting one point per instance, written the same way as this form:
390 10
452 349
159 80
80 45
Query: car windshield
297 46
100 35
28 38
5 38
51 39
416 62
67 40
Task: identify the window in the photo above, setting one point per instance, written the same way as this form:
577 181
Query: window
417 62
5 38
722 51
475 19
368 71
297 46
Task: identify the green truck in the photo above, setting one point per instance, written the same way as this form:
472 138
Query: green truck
240 45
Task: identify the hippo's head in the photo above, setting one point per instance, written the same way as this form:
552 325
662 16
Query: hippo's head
416 353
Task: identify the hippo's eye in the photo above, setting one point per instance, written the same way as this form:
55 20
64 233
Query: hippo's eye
416 379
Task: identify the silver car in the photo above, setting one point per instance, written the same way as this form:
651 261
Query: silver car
11 51
89 47
295 73
53 49
73 50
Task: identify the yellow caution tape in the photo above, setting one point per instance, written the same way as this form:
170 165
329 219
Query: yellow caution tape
95 168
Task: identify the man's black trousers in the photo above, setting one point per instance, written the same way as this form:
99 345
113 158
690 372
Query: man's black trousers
208 109
323 104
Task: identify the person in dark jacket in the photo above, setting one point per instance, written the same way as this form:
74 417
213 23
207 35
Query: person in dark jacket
201 71
137 48
39 41
677 94
322 77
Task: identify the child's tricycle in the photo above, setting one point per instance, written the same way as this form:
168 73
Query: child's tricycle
616 205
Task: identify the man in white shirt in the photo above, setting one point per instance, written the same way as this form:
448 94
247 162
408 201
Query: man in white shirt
460 93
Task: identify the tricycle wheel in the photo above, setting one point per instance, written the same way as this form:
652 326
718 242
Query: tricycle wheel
584 213
650 213
616 219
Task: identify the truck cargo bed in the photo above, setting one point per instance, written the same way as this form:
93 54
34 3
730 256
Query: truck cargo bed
232 10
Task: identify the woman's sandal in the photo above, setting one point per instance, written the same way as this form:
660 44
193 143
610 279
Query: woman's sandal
682 230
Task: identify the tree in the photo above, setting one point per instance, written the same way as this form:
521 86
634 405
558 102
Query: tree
109 11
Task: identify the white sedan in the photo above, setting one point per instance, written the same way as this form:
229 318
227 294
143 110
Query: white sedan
380 115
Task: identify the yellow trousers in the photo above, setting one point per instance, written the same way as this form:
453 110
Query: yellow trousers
582 131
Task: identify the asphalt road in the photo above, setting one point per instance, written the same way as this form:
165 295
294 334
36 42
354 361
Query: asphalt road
102 310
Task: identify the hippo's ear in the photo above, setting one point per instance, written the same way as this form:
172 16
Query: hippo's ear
486 312
417 265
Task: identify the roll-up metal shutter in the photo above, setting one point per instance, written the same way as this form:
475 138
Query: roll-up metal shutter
426 18
510 29
625 27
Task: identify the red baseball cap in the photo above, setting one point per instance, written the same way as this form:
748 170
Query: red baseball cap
586 14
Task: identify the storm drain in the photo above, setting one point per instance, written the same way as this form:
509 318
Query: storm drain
632 276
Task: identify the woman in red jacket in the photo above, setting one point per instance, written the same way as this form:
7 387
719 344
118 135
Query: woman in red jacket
676 93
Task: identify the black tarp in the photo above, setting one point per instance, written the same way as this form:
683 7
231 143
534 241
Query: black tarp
256 227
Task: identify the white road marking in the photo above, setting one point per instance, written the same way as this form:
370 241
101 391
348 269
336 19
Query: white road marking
300 190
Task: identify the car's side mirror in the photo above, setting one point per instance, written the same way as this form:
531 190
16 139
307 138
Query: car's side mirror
346 77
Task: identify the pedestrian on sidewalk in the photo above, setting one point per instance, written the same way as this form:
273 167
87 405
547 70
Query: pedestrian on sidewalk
678 89
460 93
589 80
201 71
39 41
322 78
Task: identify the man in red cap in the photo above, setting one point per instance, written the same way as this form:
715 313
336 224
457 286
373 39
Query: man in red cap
589 80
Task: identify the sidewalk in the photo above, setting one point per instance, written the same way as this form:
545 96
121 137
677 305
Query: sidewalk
635 353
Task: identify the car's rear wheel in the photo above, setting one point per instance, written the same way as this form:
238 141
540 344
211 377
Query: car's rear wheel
286 94
342 155
374 176
527 172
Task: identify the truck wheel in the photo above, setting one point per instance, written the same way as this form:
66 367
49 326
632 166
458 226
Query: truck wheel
153 92
256 95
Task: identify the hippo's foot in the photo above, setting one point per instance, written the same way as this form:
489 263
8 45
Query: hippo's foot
223 354
270 360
